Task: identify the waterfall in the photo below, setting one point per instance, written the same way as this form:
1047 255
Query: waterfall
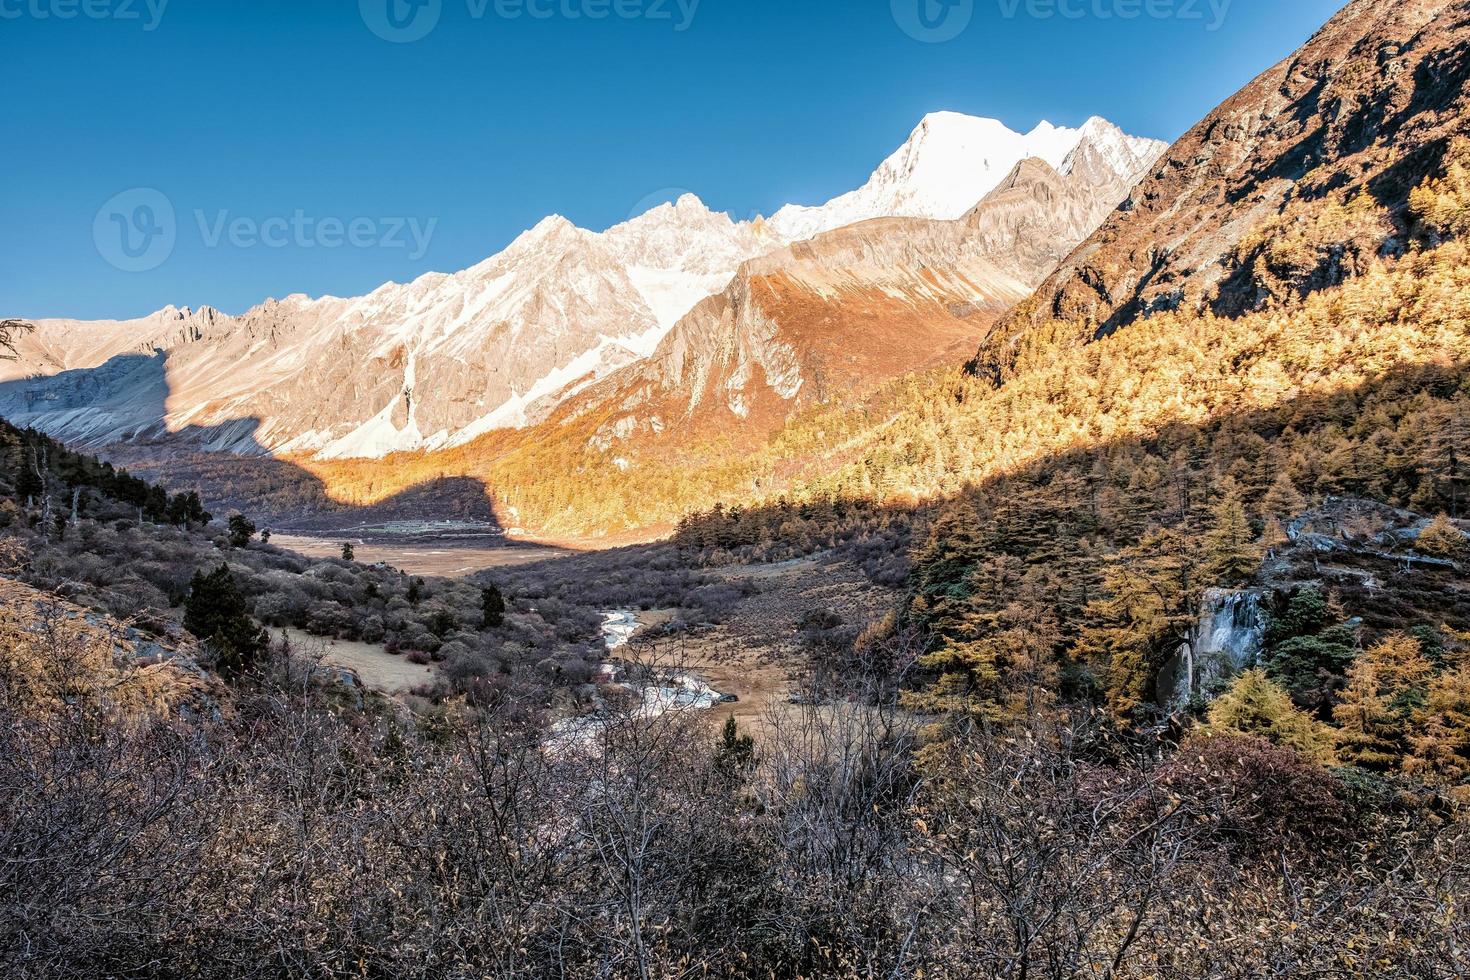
1227 639
1231 630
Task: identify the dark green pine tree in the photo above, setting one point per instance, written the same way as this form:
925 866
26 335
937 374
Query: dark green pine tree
216 613
492 606
28 484
735 751
156 505
187 509
1309 649
241 531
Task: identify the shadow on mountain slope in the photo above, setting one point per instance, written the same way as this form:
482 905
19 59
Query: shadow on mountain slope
283 495
1367 465
123 399
119 410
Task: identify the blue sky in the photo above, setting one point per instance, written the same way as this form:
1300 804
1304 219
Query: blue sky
295 121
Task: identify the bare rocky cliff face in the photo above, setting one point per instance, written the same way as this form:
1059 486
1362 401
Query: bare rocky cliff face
1231 219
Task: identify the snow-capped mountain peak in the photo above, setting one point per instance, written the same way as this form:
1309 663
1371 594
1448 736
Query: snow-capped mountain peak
1120 152
553 228
949 162
688 236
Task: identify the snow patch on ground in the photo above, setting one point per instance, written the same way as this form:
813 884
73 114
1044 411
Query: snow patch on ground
618 628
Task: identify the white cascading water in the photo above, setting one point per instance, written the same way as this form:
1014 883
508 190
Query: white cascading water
1227 639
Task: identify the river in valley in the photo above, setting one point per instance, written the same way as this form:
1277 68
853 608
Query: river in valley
656 689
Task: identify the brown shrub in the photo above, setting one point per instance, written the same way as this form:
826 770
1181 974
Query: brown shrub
1259 797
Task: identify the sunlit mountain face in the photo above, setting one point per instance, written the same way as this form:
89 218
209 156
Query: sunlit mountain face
437 362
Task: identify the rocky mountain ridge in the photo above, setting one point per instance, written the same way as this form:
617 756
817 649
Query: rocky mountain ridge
838 314
438 362
951 161
1289 187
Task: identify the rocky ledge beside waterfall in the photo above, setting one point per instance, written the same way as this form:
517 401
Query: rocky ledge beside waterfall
1358 550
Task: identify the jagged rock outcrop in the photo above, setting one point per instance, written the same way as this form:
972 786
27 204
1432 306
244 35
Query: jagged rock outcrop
1234 217
1357 549
54 651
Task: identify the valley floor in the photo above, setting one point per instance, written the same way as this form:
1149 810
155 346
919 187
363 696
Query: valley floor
442 557
371 662
756 651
